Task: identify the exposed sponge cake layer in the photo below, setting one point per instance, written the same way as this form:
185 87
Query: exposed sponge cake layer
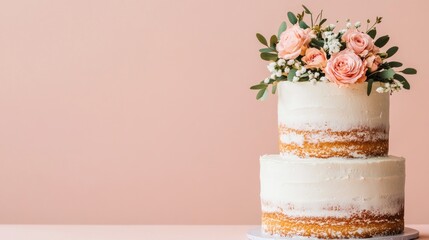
299 196
324 120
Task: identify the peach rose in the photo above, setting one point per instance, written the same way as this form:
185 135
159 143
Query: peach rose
345 68
314 58
360 43
373 61
293 42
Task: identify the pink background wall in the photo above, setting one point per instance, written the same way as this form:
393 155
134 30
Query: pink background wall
139 112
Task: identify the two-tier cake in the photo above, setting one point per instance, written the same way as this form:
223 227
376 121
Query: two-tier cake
333 177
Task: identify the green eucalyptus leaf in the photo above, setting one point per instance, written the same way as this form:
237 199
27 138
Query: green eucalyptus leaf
259 86
269 56
267 50
303 25
391 51
260 93
306 9
291 74
273 41
274 88
281 78
372 33
404 81
317 43
262 39
386 74
409 71
395 64
292 18
369 89
381 41
282 28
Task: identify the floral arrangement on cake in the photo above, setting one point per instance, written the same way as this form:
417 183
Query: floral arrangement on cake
316 52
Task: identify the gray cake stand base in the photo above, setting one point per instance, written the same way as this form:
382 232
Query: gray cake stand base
256 234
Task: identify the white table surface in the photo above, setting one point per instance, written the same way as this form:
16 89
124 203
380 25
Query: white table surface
140 232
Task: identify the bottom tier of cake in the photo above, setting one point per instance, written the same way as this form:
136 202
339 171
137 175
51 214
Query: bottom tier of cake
332 198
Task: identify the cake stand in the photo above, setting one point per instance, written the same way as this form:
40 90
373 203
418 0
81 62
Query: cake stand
256 234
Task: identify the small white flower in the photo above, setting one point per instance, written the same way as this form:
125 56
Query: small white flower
348 25
325 46
387 85
357 24
297 73
326 34
331 26
295 79
273 76
287 69
398 83
380 89
281 62
272 67
303 70
290 62
279 73
313 81
310 75
323 79
316 74
297 64
266 80
342 31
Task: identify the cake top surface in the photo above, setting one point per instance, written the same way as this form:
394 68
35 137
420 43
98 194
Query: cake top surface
314 51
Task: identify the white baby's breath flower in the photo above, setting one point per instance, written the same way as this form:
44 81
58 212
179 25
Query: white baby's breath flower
323 79
331 26
313 81
290 62
266 80
297 65
332 43
380 89
316 74
349 25
297 73
273 76
272 67
387 85
310 75
357 24
303 70
398 83
342 31
287 69
281 62
295 79
326 34
279 73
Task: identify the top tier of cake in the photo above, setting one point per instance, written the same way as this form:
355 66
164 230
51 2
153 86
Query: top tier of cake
324 120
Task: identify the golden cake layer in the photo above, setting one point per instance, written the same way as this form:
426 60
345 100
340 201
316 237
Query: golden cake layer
361 142
362 225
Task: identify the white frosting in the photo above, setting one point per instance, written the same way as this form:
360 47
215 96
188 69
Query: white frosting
304 105
332 187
